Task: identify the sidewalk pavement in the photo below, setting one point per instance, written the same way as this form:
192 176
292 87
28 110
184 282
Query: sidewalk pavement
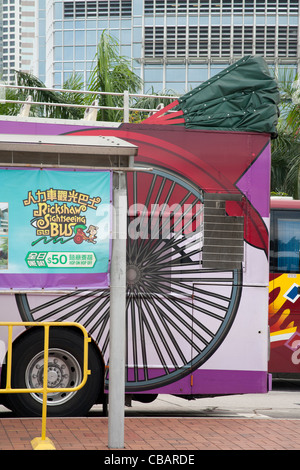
155 434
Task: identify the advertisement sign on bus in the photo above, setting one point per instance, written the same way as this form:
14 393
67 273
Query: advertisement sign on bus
57 228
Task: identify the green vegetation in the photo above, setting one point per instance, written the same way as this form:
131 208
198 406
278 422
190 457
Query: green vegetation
285 170
111 73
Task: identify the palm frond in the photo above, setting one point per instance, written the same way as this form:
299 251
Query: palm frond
285 164
48 96
111 72
152 102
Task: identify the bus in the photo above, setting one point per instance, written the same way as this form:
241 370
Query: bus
197 247
284 306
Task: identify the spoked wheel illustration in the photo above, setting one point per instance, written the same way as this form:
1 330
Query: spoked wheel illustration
177 314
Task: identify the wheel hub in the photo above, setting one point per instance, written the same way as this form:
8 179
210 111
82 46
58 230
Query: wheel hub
63 372
54 376
133 274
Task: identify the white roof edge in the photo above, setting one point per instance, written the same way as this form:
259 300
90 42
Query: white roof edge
69 122
76 144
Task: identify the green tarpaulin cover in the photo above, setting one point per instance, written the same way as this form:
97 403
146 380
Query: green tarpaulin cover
242 97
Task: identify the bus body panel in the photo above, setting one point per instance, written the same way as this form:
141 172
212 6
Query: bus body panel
284 303
198 331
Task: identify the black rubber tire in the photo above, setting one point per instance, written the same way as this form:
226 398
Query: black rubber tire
69 340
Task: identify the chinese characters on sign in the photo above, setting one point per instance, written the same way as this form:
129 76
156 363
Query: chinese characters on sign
62 213
59 225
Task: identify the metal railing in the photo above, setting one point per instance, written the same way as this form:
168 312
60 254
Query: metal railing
126 108
43 443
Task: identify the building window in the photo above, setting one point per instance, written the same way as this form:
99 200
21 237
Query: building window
194 41
97 8
177 7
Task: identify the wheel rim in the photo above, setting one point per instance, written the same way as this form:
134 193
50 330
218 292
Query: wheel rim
64 371
174 312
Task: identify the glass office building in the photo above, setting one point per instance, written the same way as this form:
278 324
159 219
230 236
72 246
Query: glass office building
17 37
173 44
10 38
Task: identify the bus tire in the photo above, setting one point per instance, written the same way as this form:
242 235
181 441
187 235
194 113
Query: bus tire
65 369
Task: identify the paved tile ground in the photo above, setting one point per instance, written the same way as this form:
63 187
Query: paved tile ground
173 434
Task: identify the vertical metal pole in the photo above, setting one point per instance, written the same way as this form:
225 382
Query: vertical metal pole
9 357
126 106
45 381
117 316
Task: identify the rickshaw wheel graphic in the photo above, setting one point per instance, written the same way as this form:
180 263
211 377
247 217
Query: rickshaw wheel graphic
177 313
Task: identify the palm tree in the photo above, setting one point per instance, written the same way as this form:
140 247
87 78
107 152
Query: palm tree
112 73
48 96
285 164
8 108
151 102
285 169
